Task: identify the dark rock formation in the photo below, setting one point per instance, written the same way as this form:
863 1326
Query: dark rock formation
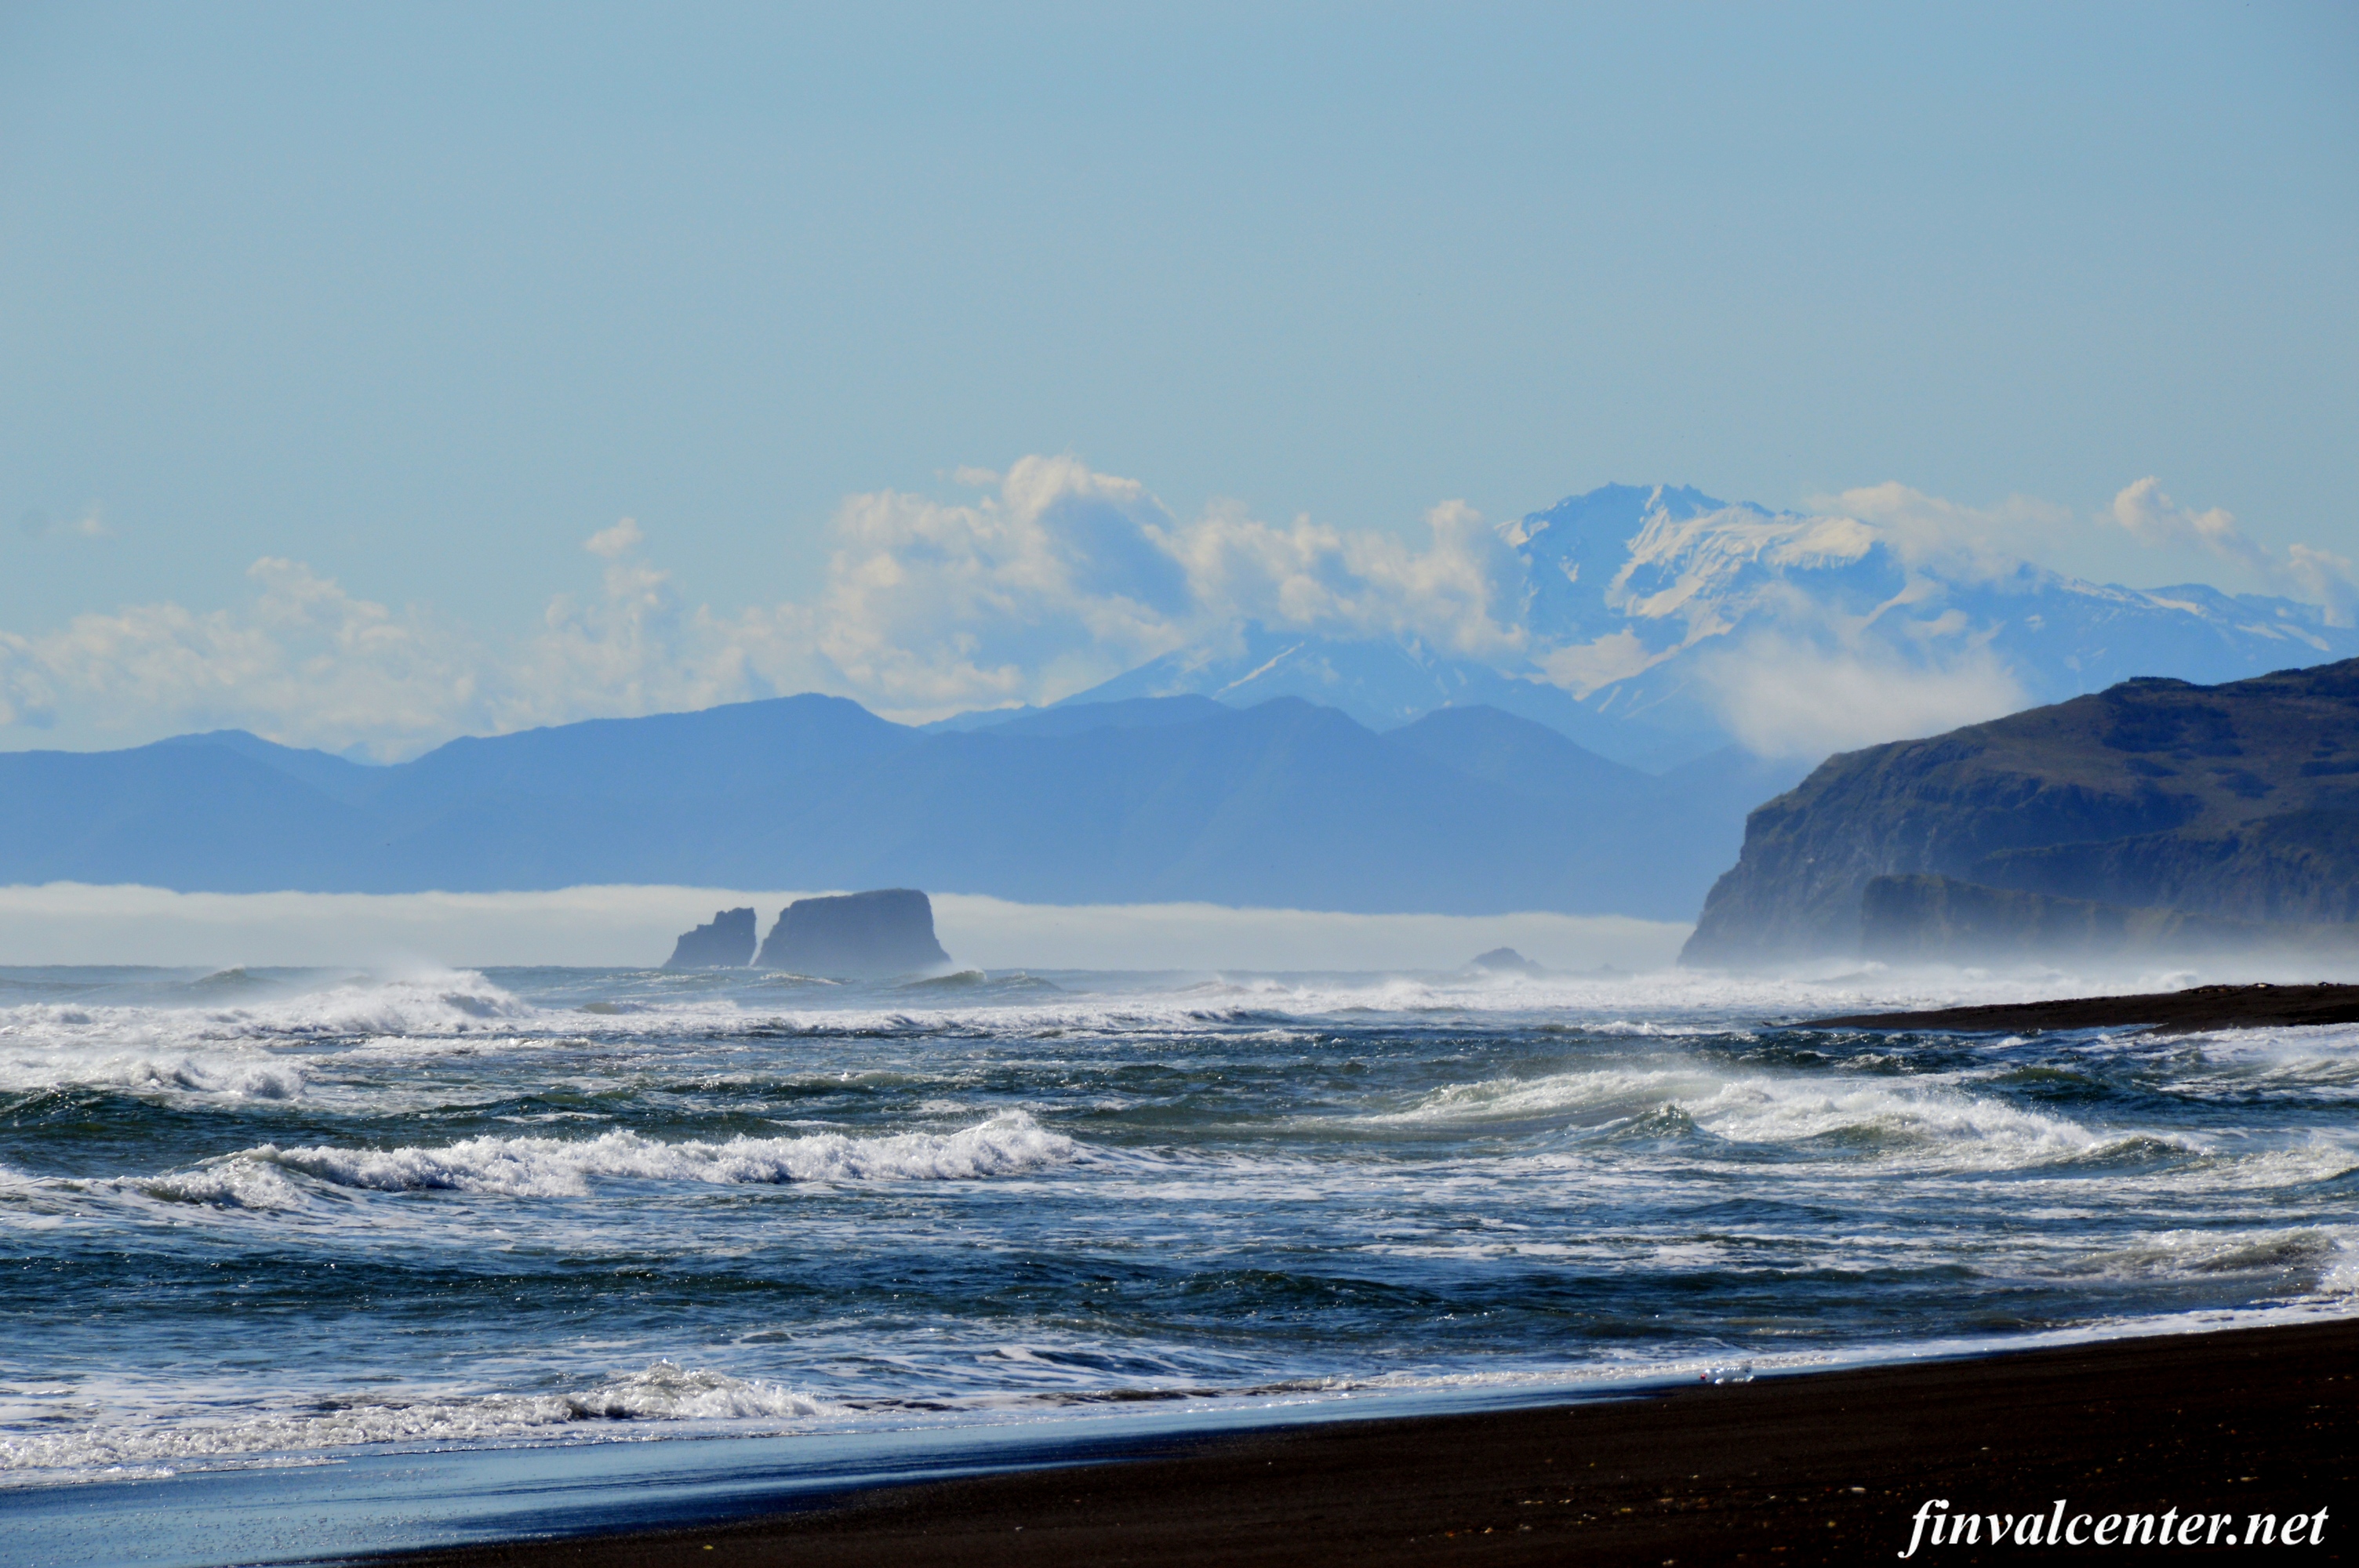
726 944
1922 919
2165 1012
861 934
2152 816
1505 961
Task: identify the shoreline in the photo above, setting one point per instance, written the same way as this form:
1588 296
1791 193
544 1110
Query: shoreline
2189 1011
1800 1468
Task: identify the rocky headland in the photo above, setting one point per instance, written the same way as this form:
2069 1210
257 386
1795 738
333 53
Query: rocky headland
859 936
2153 819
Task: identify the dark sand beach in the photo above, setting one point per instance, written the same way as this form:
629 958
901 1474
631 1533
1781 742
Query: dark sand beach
1821 1468
2165 1012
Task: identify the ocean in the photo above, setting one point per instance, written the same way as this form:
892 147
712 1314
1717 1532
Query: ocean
273 1219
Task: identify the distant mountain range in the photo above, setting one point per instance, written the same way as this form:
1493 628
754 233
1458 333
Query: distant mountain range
1284 803
1633 599
1594 773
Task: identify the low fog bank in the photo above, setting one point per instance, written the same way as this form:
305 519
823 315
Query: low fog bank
626 926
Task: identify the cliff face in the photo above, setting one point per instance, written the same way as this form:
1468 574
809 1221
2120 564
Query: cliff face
2191 812
726 942
887 931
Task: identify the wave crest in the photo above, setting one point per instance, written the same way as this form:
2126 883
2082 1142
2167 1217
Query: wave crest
664 1391
1006 1145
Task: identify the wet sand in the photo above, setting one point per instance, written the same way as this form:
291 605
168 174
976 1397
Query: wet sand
2166 1012
1823 1467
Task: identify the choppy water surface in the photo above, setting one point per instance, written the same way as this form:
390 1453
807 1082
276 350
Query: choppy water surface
255 1218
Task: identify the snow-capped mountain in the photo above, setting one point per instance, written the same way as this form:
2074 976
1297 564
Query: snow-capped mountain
1660 625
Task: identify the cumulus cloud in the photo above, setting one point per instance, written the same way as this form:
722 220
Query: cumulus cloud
305 663
1048 576
616 542
1055 578
2149 515
1066 577
304 660
1973 542
1782 697
1457 592
1063 577
1586 667
2325 579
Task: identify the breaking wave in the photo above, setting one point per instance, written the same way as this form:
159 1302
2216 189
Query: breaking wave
1913 1120
1008 1144
238 1195
213 1073
663 1392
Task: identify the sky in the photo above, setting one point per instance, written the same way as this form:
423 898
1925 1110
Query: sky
369 375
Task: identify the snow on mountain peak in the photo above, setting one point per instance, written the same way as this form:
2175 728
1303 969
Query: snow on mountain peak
1658 623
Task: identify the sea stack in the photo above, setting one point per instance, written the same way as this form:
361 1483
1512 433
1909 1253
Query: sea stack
725 943
859 936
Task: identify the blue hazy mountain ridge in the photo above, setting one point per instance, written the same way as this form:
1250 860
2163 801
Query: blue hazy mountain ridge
1630 599
1282 803
173 814
1133 713
1252 771
340 778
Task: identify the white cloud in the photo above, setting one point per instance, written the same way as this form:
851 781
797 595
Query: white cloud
304 662
1974 543
932 607
1057 579
1452 593
2328 579
1584 667
2152 518
630 652
1790 699
1058 576
616 542
1066 577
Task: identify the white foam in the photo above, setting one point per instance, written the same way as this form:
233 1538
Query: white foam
663 1392
433 1002
225 1183
1911 1118
204 1048
2321 1252
1007 1144
168 1073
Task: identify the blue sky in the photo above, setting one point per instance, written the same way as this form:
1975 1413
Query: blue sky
413 301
